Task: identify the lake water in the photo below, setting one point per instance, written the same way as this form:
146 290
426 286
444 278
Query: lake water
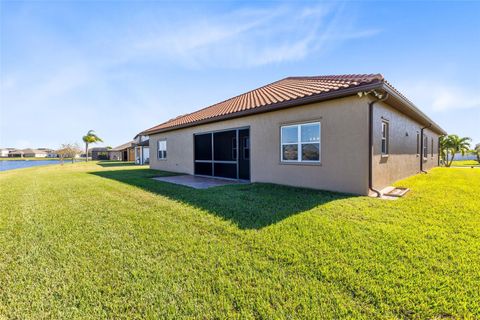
17 164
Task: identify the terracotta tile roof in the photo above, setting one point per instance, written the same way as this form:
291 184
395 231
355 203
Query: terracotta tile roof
289 92
267 97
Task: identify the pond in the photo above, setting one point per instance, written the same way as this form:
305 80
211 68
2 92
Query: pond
17 164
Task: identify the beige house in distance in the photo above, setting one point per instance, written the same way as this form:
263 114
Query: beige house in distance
29 153
124 152
348 133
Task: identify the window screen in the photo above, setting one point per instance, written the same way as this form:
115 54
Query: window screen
203 146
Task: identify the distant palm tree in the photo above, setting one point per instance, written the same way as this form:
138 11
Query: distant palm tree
476 152
89 138
455 144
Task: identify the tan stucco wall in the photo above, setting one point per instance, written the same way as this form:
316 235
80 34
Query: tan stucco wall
344 143
344 146
402 160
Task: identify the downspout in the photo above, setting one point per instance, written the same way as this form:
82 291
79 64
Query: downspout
370 142
421 147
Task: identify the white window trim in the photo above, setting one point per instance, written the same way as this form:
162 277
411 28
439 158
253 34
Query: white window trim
386 138
425 148
299 143
158 149
418 144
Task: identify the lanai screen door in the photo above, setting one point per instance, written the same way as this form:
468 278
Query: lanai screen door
223 154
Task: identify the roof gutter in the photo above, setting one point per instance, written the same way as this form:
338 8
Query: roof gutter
394 94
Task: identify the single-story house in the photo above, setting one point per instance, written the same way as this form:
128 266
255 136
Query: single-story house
50 152
98 153
15 153
124 152
348 133
4 152
142 150
28 153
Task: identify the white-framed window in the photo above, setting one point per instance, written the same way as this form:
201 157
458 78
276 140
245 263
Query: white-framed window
162 149
425 147
300 142
418 144
385 136
431 149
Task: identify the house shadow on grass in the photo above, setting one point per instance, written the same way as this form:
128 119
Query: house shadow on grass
114 163
250 206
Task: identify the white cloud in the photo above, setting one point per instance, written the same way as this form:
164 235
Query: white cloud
73 87
449 97
242 38
248 38
442 97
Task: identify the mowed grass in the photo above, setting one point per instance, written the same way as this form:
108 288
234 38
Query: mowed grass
465 163
100 241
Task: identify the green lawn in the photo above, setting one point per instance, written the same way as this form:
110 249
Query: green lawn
100 241
465 163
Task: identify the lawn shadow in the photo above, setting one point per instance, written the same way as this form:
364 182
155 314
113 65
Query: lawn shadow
250 206
113 163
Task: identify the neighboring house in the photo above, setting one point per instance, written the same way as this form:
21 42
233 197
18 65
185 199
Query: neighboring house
142 150
98 153
16 153
50 152
5 151
349 133
124 152
28 153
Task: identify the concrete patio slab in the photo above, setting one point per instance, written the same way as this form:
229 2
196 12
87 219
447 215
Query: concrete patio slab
198 182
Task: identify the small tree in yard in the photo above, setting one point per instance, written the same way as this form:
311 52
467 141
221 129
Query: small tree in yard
90 137
69 150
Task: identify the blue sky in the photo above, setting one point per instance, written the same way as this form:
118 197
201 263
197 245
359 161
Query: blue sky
119 67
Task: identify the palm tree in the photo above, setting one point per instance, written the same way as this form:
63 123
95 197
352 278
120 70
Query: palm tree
444 146
90 137
455 144
476 152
